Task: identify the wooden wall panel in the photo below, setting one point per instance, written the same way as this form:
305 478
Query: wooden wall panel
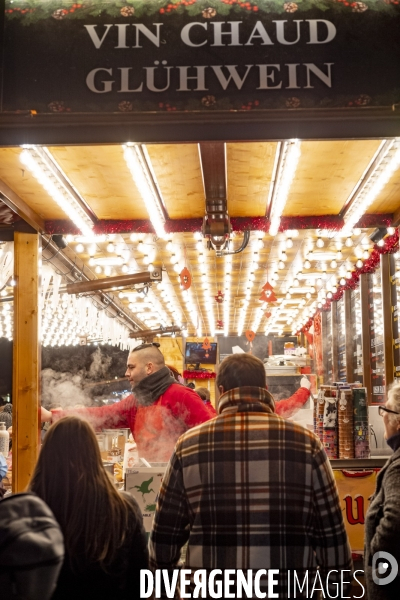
26 359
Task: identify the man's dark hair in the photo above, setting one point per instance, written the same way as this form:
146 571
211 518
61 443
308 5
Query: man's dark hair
241 370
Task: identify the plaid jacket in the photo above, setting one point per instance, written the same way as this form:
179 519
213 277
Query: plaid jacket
250 490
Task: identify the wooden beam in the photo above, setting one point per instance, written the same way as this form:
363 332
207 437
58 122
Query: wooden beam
365 335
20 207
208 125
348 336
335 343
213 164
26 358
387 320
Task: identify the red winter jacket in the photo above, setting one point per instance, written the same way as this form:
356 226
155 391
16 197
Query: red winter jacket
155 428
287 408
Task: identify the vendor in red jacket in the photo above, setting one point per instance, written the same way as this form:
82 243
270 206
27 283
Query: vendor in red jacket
160 409
157 413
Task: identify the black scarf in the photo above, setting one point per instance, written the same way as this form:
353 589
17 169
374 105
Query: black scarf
153 386
394 442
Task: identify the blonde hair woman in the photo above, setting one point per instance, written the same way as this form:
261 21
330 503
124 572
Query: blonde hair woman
382 522
105 542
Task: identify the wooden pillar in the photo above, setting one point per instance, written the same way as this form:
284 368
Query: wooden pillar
365 335
348 337
335 343
26 358
387 320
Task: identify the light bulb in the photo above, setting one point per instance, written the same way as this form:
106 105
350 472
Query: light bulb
359 263
319 281
289 243
124 268
324 275
296 282
333 264
342 281
329 295
110 247
281 264
92 262
381 243
339 255
133 237
320 243
283 255
308 295
307 264
288 296
349 242
357 231
146 260
177 268
260 244
391 230
150 268
97 269
80 248
169 246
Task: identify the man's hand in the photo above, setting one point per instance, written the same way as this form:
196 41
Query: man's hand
45 415
305 383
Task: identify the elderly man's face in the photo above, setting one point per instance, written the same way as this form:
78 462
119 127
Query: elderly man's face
137 368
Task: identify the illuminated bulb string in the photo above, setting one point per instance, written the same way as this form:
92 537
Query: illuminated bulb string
60 195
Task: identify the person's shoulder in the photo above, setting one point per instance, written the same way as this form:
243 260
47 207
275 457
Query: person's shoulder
181 392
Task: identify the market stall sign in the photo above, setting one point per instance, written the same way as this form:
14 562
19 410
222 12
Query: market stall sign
196 55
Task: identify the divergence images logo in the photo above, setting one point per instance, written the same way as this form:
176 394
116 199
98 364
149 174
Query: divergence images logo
384 571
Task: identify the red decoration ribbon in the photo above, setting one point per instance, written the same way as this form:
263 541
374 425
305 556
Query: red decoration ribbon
370 265
107 226
198 375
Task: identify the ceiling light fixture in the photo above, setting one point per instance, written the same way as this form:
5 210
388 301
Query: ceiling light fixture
374 179
142 174
44 168
289 154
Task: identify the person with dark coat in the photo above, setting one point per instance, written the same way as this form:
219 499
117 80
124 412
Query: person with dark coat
382 521
105 542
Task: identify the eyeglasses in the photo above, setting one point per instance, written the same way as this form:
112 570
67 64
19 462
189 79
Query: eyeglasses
383 409
143 346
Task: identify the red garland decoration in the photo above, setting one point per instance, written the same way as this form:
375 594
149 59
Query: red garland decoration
370 265
198 375
107 226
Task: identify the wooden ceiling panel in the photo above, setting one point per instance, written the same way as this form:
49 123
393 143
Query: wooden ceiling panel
101 176
388 200
326 174
250 168
178 173
23 183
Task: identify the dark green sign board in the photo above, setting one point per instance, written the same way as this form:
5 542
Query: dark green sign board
199 55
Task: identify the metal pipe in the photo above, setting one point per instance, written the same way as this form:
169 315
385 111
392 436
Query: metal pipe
246 238
153 332
96 285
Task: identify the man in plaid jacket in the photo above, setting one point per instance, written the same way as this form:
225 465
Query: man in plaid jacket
251 490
